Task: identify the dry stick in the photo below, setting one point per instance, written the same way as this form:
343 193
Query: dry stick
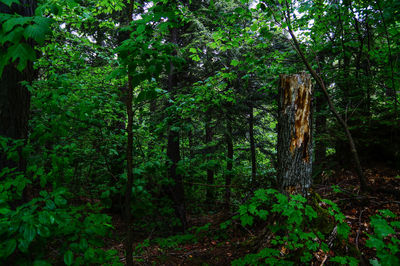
359 229
321 83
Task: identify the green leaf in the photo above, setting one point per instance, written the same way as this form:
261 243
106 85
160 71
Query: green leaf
381 227
7 248
23 52
89 253
43 193
395 224
388 213
43 231
35 32
374 242
29 233
4 211
14 21
83 244
235 62
13 36
50 204
252 209
374 262
192 50
141 28
246 220
41 263
263 214
299 198
23 245
60 201
68 257
10 2
310 212
343 230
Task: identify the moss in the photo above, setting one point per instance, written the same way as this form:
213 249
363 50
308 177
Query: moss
324 222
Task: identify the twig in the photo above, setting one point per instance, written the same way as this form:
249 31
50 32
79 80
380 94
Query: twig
359 229
323 261
248 231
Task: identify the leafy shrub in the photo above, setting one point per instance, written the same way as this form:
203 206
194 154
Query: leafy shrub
47 225
292 226
384 239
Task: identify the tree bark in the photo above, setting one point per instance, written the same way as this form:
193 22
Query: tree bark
252 148
176 191
320 123
210 172
294 133
229 163
15 97
129 164
320 130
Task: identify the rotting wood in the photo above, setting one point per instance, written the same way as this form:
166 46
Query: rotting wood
294 133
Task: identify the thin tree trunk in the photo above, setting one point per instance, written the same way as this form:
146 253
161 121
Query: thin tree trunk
229 163
392 91
129 165
252 147
210 172
368 71
153 109
175 191
294 133
320 123
320 130
318 79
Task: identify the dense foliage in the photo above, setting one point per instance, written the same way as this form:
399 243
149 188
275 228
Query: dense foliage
126 121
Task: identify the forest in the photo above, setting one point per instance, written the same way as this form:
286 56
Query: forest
199 132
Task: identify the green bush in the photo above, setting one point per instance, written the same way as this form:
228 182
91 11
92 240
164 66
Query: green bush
48 230
291 222
384 238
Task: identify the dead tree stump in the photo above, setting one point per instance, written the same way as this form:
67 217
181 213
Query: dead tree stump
294 133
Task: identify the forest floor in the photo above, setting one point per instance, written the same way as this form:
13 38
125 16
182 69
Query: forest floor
221 247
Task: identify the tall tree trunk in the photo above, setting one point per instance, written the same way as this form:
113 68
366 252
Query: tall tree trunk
229 163
15 97
252 147
368 70
175 191
210 172
191 143
320 123
392 90
294 133
320 130
129 165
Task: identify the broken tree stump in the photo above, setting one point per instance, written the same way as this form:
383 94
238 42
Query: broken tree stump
294 133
